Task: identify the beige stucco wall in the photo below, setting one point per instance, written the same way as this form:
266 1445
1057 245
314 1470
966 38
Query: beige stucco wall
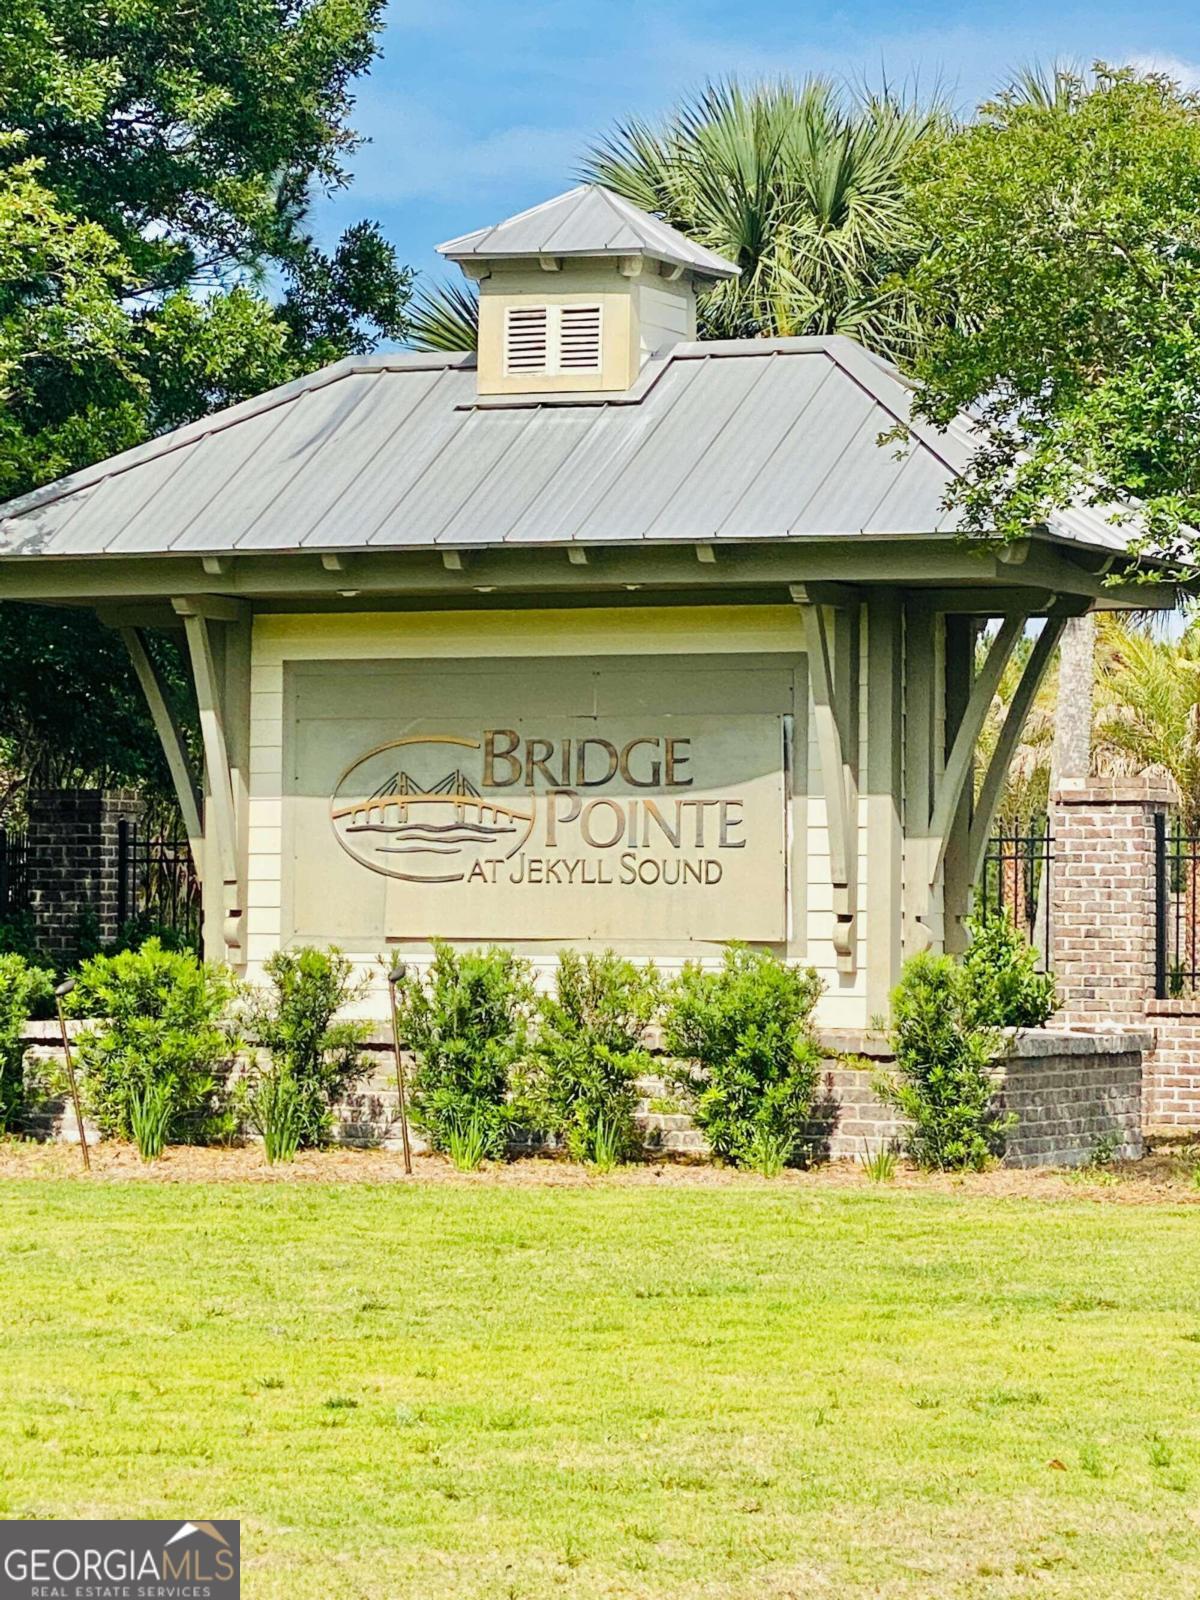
772 633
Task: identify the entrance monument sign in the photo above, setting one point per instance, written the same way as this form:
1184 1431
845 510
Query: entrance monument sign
575 827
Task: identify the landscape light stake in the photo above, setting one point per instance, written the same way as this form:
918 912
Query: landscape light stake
395 976
60 994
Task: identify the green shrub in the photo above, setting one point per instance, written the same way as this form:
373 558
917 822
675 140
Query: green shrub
18 937
22 986
580 1082
748 1060
294 1020
466 1023
274 1109
603 1146
945 1044
134 932
1001 966
160 1019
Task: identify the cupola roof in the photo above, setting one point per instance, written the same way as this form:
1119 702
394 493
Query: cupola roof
588 221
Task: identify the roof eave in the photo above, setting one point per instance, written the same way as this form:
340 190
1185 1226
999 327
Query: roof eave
710 273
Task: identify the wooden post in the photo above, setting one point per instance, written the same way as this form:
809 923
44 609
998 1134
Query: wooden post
885 839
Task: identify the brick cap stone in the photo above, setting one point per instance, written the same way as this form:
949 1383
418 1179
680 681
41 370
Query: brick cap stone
1023 1044
1035 1042
1115 792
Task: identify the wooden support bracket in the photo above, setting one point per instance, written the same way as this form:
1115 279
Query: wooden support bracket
212 607
171 738
953 781
832 670
197 622
1006 743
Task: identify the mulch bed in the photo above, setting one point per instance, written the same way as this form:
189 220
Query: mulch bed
1164 1175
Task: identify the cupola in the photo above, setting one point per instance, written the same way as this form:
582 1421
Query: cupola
577 294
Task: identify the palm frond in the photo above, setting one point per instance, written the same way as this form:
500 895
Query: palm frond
1148 712
801 185
444 317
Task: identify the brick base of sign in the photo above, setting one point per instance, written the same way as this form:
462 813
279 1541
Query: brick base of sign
1071 1092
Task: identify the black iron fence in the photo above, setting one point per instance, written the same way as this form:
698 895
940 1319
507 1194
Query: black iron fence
157 888
14 874
1016 880
1176 910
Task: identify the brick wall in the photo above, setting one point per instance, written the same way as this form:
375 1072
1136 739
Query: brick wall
1173 1070
1102 898
1069 1090
72 853
1104 925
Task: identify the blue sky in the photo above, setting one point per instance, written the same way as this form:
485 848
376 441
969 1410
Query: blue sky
478 110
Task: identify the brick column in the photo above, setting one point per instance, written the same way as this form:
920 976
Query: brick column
72 853
1102 898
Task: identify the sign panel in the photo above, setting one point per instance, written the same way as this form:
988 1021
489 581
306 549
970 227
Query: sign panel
574 828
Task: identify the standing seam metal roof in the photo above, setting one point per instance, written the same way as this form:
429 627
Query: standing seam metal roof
588 221
728 440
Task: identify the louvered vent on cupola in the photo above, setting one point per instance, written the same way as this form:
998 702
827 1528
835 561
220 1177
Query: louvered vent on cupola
555 340
579 339
526 348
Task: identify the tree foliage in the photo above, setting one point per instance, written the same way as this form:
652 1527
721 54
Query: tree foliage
1060 284
156 168
445 316
156 164
71 711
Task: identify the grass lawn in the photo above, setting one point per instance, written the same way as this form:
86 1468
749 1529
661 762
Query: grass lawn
464 1389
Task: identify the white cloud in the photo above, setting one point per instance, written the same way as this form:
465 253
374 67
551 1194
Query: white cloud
1185 73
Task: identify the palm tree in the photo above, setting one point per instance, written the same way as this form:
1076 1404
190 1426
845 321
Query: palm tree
800 184
1148 719
1149 723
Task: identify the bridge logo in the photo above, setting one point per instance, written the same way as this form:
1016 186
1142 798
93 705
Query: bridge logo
399 811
